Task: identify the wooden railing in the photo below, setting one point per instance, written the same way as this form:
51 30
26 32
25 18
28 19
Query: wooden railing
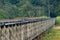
26 29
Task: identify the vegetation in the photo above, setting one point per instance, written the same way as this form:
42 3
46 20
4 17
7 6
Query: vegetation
28 8
58 20
54 34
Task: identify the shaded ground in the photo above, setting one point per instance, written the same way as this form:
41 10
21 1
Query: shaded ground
54 34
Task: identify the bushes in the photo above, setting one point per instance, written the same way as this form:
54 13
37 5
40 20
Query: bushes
58 20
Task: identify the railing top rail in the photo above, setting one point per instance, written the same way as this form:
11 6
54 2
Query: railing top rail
24 21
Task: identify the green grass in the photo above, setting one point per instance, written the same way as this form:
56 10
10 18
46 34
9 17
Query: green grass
53 34
43 17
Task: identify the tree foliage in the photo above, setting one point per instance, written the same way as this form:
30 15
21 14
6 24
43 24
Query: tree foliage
28 8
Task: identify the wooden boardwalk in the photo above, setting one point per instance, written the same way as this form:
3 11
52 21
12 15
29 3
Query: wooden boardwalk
26 29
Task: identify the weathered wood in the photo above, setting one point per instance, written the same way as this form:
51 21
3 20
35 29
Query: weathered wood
27 31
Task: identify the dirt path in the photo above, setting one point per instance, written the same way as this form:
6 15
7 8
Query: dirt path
56 28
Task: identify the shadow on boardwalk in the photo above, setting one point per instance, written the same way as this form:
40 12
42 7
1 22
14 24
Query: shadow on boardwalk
54 34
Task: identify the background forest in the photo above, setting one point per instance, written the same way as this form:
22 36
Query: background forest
28 8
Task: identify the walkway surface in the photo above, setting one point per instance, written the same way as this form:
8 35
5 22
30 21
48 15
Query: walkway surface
53 34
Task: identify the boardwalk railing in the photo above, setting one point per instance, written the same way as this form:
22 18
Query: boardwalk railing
25 29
